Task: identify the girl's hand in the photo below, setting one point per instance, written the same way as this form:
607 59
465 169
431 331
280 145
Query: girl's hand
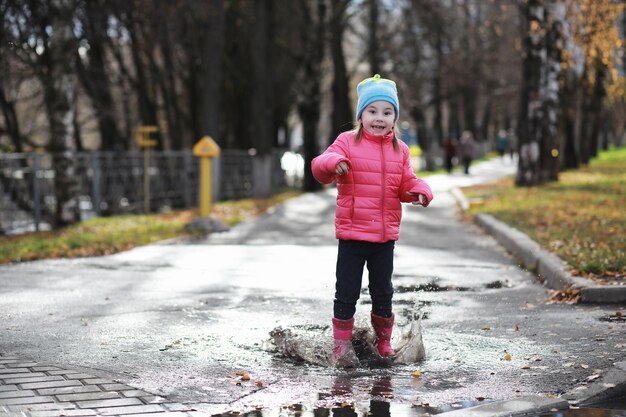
421 199
342 168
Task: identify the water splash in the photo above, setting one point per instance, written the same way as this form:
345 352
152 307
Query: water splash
314 345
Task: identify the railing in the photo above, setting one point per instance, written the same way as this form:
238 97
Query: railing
113 183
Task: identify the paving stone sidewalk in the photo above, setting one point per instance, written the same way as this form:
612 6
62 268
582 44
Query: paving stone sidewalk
39 390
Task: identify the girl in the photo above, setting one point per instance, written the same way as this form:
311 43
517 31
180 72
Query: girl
374 175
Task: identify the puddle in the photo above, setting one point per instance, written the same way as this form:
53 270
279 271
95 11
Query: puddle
381 408
586 412
404 283
498 284
614 318
349 407
313 344
429 287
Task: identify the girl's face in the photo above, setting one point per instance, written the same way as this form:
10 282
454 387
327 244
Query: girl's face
378 118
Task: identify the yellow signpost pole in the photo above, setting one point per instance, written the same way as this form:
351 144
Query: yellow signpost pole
205 149
142 136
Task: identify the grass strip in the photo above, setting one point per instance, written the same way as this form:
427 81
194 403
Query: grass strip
107 235
581 217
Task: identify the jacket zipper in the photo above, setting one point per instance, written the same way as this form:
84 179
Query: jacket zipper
382 190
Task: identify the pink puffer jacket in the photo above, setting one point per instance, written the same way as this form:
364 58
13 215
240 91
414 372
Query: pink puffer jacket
369 195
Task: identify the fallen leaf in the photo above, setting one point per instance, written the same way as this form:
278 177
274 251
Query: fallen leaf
566 296
551 396
259 383
244 375
507 357
416 374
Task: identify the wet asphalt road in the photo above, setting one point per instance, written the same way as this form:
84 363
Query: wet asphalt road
180 318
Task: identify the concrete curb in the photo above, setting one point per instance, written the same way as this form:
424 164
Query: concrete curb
550 269
611 385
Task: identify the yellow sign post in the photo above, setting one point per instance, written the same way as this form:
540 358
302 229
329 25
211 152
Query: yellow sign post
205 149
142 136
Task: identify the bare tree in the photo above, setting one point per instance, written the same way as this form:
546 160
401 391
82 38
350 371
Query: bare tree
309 99
539 118
92 70
341 117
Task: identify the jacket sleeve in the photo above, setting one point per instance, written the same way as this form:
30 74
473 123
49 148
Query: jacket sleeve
411 184
323 166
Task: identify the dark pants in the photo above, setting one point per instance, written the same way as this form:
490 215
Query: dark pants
467 161
351 258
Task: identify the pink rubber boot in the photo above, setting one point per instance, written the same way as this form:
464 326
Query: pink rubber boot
383 327
343 352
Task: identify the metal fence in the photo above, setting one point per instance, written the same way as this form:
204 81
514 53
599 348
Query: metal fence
113 183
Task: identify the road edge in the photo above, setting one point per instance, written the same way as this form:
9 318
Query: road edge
548 267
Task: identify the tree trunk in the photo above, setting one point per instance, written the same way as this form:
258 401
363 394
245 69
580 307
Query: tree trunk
93 76
597 97
373 47
425 139
555 42
11 121
167 83
571 113
144 84
438 90
454 126
310 94
58 96
7 105
571 158
538 157
262 108
341 116
213 39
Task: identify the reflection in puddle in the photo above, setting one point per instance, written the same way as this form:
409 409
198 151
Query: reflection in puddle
350 408
618 317
381 408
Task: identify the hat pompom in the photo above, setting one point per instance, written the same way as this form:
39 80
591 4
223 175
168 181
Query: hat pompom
376 89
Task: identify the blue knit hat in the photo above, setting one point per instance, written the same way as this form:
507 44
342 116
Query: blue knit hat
374 89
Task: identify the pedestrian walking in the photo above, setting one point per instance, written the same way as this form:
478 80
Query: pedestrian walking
467 149
512 143
502 143
374 175
449 148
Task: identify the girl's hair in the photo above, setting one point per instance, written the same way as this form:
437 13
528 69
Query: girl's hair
359 133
